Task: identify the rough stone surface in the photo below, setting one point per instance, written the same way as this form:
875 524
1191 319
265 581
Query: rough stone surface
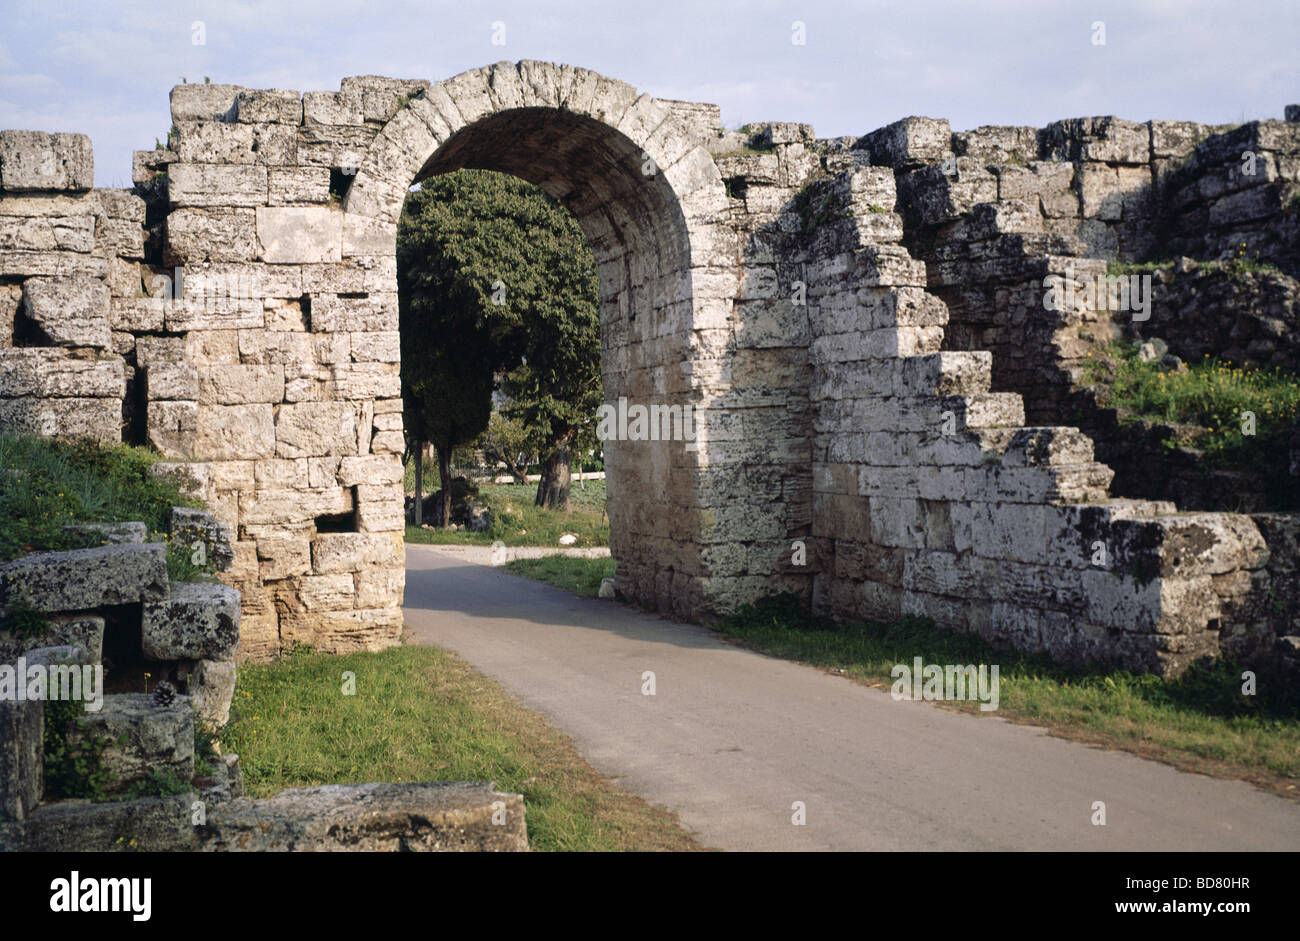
196 621
84 579
159 824
445 817
22 764
146 739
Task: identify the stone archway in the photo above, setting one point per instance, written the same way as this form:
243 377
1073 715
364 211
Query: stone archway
298 411
648 196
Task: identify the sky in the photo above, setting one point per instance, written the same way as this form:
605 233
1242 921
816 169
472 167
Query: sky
105 68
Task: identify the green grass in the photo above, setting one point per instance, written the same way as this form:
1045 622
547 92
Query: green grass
1213 395
580 576
1200 722
47 484
422 714
516 522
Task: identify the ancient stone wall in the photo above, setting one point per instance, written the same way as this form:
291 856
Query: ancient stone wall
823 307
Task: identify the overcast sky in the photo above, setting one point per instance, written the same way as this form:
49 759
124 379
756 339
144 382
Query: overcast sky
105 68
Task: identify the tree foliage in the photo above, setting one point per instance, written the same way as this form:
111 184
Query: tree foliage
497 286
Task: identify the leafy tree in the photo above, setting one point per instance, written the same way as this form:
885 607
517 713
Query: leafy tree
497 276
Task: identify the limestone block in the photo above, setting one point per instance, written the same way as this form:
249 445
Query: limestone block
363 235
360 381
381 97
314 429
193 526
268 106
52 373
259 638
278 474
214 184
442 817
235 432
1031 447
292 185
148 165
1175 138
195 236
334 553
51 264
172 381
83 579
103 534
236 385
336 146
22 757
206 102
372 469
284 556
909 142
72 311
299 234
380 508
208 142
333 108
159 350
136 314
379 587
172 427
212 689
283 507
34 160
196 621
47 233
123 238
348 314
98 419
158 824
1191 545
146 738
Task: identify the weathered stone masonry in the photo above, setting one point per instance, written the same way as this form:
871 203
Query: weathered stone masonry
760 277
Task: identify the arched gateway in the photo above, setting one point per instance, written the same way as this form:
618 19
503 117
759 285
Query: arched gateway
304 438
757 279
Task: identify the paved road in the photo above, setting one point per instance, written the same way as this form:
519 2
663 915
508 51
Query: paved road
731 739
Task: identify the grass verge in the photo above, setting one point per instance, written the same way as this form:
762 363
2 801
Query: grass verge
1198 723
423 714
517 522
580 576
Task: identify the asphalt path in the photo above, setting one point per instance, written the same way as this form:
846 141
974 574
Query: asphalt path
732 741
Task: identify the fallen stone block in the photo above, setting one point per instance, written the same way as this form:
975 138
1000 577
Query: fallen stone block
84 579
85 631
436 817
145 739
157 824
197 621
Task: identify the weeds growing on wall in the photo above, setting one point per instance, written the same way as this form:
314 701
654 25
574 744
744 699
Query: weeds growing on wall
47 484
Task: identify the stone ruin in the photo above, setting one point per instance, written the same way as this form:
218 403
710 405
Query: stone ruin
857 324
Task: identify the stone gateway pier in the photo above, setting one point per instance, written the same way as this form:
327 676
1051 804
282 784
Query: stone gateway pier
823 308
